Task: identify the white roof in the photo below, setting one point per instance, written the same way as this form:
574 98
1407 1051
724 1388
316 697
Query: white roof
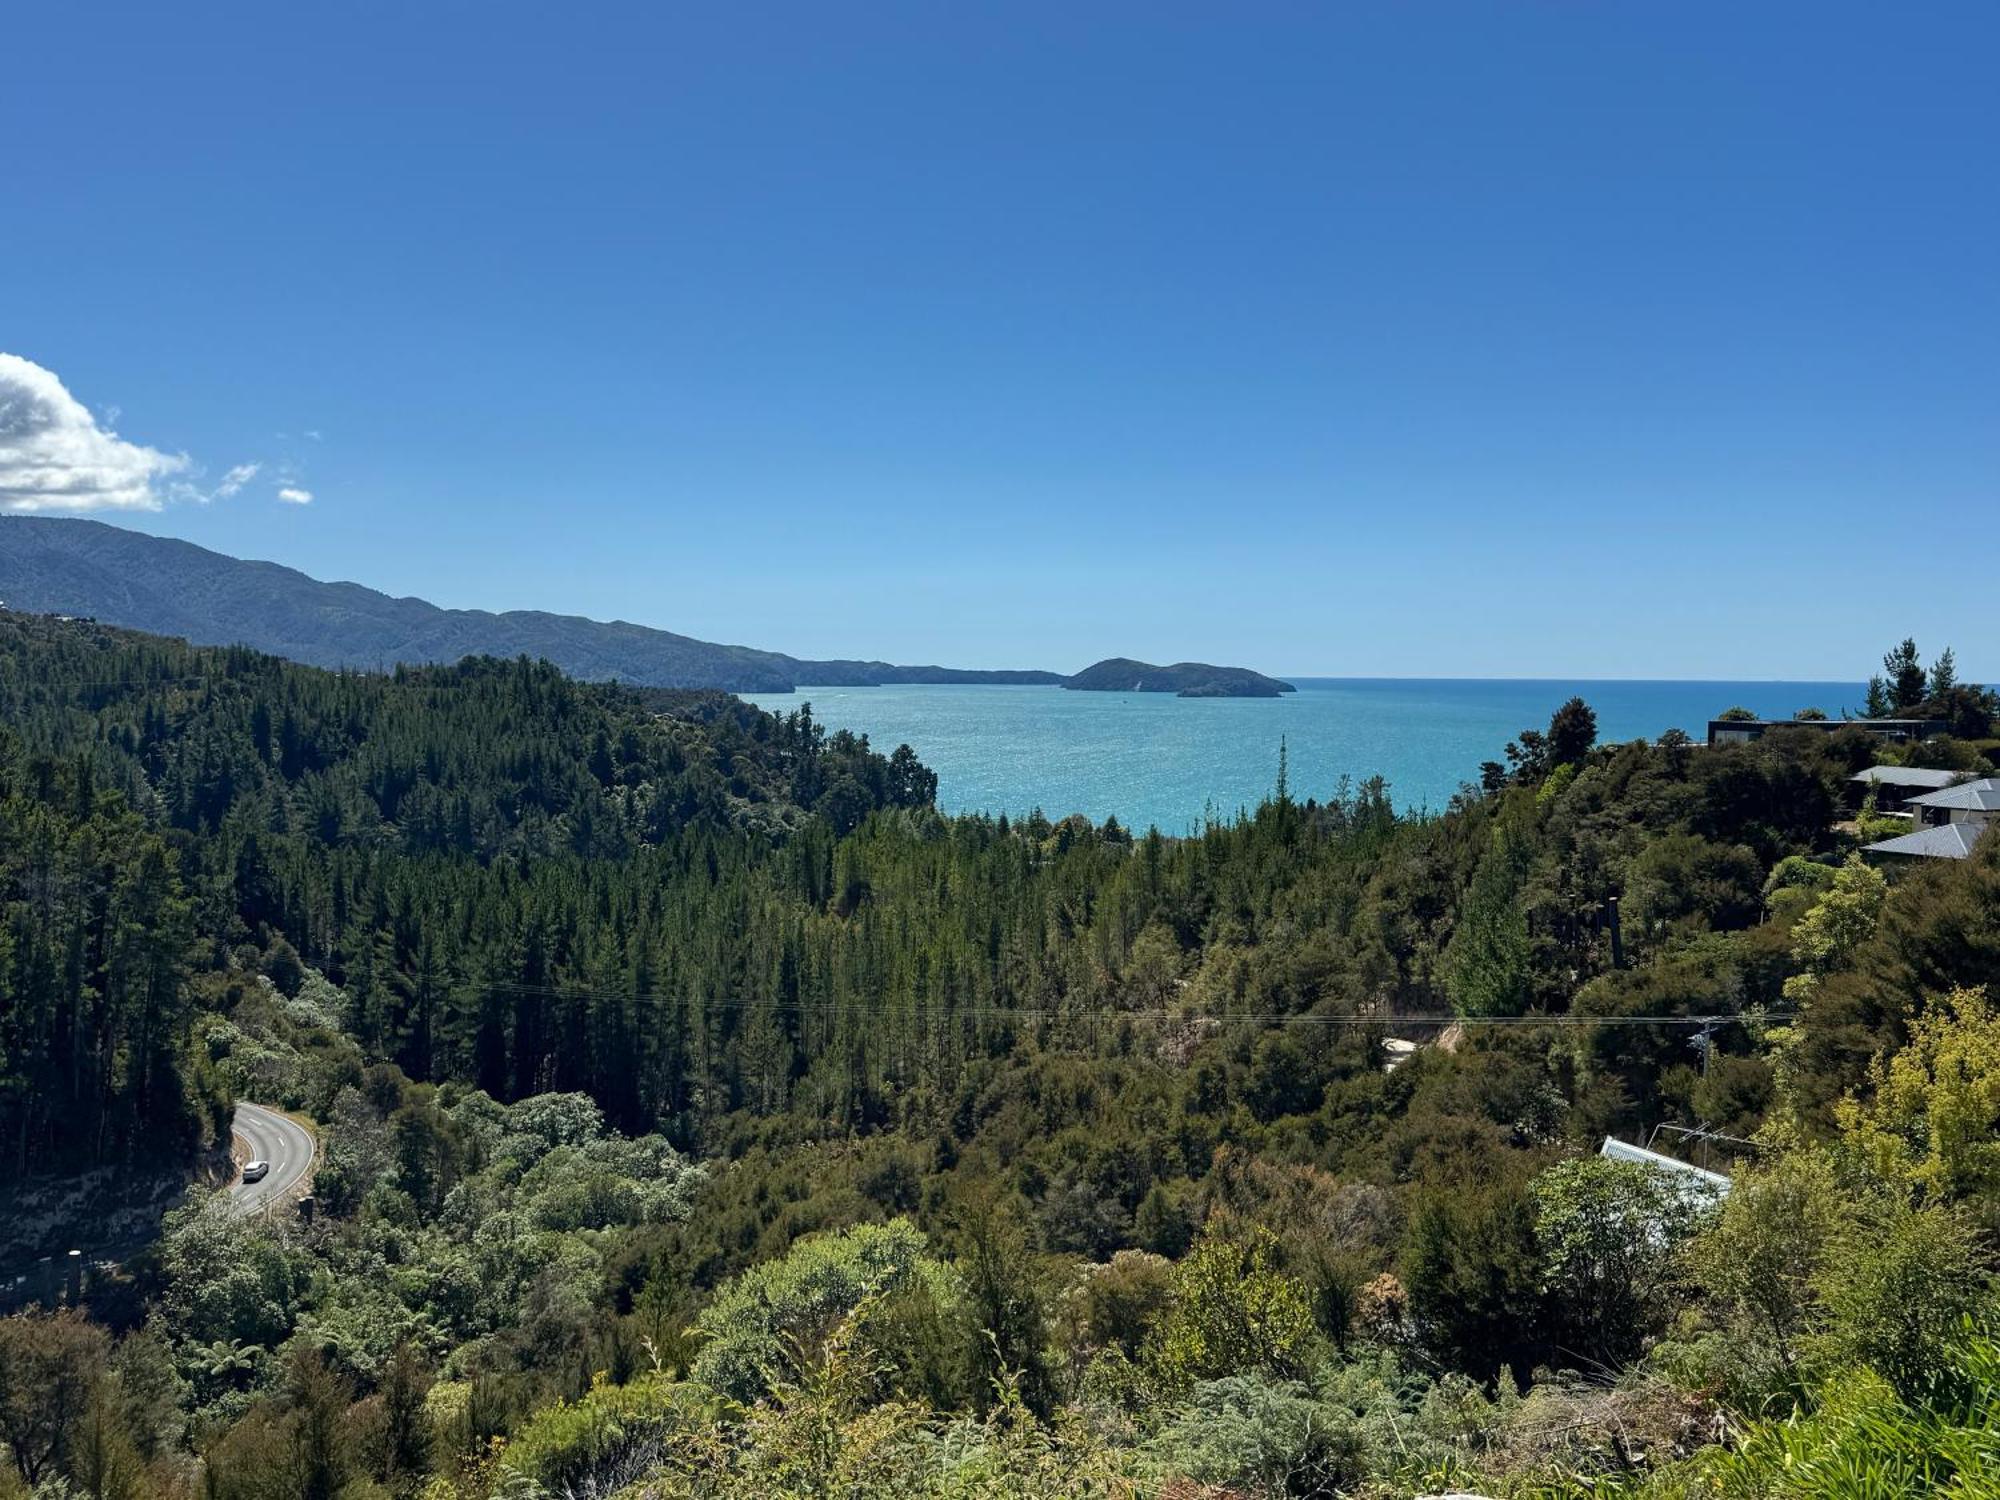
1942 841
1711 1182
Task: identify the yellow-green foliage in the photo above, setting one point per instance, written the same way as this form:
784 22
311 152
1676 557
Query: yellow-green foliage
825 1432
1827 937
1899 1283
1934 1119
1816 1267
769 1321
1556 785
613 1430
1233 1312
448 1408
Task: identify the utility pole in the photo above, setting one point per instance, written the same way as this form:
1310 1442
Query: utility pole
1704 1042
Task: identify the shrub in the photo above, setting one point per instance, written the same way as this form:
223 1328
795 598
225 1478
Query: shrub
1898 1284
1610 1234
1472 1275
1115 1305
770 1319
1233 1312
1761 1257
1261 1437
610 1437
1863 1439
1934 1120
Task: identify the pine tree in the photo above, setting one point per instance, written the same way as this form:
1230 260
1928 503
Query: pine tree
1905 671
1944 676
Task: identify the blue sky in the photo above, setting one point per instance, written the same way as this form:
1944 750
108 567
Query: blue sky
1459 339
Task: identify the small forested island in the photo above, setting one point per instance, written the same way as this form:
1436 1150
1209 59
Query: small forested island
702 1113
1185 679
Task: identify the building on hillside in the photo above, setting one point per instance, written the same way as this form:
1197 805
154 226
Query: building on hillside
1696 1182
1974 802
1949 822
1895 785
1940 841
1743 731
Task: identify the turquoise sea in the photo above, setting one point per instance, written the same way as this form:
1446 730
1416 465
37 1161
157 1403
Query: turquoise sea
1154 759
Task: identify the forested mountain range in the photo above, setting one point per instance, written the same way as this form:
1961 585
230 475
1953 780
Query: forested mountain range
171 587
706 1114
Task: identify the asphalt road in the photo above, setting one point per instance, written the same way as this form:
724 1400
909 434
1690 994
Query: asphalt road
282 1142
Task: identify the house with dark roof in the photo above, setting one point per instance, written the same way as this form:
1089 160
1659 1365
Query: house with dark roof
1743 731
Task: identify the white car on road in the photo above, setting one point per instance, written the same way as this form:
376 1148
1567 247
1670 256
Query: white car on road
279 1151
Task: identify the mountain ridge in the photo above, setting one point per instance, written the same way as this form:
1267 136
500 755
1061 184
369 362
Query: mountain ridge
169 586
173 587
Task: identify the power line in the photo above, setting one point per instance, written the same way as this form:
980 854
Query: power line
265 669
69 685
1054 1013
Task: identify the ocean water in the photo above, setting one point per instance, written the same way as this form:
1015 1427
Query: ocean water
1152 759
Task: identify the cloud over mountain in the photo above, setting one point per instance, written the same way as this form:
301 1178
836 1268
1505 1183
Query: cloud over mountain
54 455
235 479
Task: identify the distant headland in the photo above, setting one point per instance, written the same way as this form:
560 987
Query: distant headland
170 587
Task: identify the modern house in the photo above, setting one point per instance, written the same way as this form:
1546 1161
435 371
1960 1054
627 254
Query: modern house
1742 731
1895 785
1949 822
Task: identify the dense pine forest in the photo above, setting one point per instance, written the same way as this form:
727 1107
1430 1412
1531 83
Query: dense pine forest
703 1113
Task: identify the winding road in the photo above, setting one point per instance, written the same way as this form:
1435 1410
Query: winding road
277 1139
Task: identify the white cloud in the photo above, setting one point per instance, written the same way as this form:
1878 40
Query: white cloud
190 492
55 456
291 494
235 479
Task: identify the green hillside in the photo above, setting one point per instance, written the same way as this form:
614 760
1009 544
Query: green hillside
702 1113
